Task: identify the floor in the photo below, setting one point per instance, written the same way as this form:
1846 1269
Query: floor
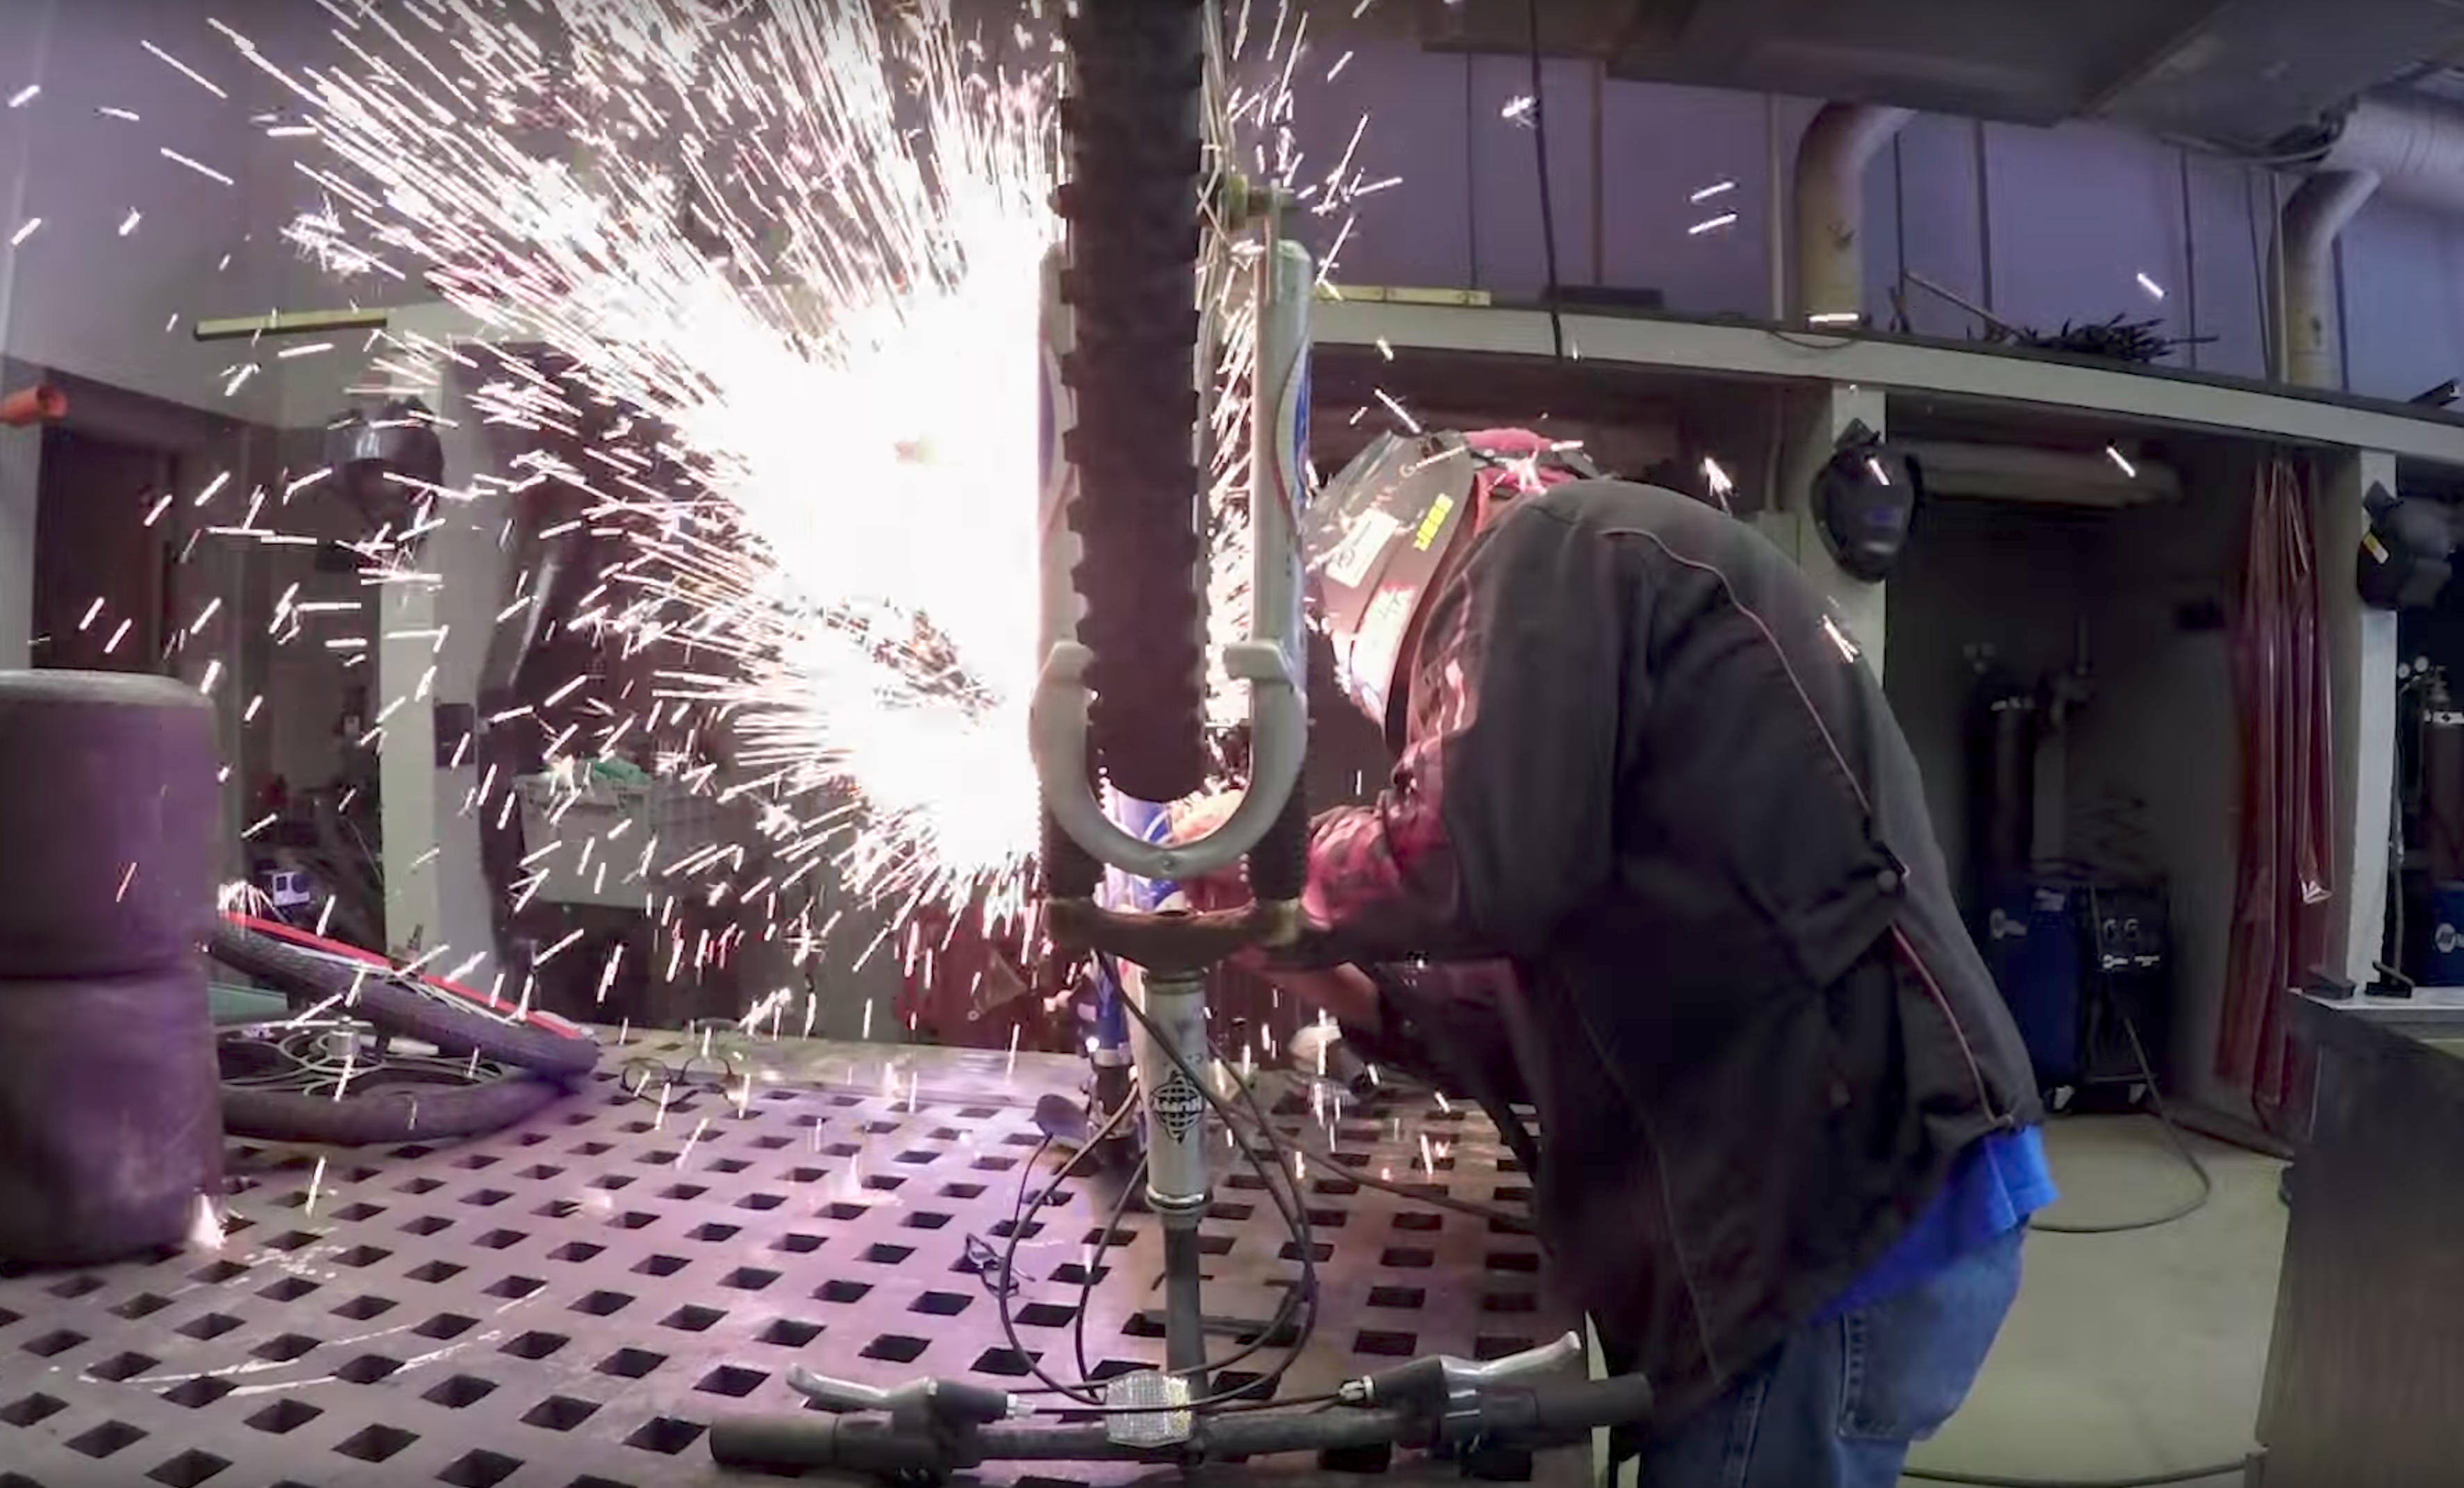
2130 1354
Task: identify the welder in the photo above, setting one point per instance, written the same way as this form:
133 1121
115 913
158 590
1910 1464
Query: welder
1786 1130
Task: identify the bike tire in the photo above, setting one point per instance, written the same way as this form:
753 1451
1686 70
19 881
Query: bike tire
385 1116
1134 127
385 1003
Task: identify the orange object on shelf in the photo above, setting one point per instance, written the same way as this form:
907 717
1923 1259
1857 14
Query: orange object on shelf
41 404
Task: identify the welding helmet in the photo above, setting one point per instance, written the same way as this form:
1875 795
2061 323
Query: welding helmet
1384 533
383 459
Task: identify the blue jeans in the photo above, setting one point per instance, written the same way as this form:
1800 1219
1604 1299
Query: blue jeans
1840 1402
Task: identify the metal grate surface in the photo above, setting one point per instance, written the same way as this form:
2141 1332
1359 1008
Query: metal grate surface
569 1304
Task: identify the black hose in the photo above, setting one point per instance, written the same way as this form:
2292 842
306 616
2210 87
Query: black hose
1135 130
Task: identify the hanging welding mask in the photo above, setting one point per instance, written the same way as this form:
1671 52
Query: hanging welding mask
1864 501
385 459
1381 537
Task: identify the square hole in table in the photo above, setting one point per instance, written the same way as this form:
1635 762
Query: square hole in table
733 1381
188 1470
664 1435
219 1272
633 1219
360 1309
515 1288
294 1241
534 1344
1007 1362
1045 1315
631 1364
843 1292
1404 1257
461 1391
727 1164
212 1325
789 1333
660 1265
361 1255
842 1210
887 1255
798 1244
538 1173
290 1289
684 1192
105 1440
145 1304
474 1162
941 1304
377 1443
367 1369
436 1271
480 1468
896 1348
693 1317
761 1203
963 1191
418 1186
576 1251
559 1413
123 1368
31 1410
284 1347
602 1303
748 1279
713 1233
198 1394
501 1240
284 1416
446 1327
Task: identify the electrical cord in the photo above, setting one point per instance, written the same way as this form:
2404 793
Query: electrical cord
2235 1470
1548 195
2172 1135
1295 1217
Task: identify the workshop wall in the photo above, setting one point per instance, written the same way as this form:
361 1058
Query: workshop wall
124 247
2038 226
2146 770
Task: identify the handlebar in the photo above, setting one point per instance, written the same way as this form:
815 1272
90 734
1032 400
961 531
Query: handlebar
1527 1415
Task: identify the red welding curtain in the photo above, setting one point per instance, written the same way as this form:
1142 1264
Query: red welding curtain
2282 896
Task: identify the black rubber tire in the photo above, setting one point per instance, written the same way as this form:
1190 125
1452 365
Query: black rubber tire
1133 124
385 1003
112 815
390 1113
108 1131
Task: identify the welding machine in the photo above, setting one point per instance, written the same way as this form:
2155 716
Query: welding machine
2082 964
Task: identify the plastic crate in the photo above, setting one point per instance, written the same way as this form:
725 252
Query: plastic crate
612 843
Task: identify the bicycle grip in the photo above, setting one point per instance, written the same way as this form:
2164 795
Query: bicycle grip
1569 1405
814 1439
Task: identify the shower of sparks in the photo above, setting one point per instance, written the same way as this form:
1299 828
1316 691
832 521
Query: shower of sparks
2153 290
801 253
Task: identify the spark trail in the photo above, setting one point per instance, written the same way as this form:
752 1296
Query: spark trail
802 248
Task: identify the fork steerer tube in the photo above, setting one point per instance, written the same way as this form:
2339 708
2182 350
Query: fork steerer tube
1177 1181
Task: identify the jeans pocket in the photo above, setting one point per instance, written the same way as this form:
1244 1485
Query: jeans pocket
1911 1356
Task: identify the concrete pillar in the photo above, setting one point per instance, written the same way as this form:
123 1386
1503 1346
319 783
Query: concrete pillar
2360 646
1788 518
21 471
433 623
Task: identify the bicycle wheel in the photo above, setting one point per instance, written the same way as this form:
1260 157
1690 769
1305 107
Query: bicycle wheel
1134 124
455 1026
295 1090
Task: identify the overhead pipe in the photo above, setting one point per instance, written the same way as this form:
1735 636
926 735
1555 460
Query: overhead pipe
2305 291
2415 144
1830 201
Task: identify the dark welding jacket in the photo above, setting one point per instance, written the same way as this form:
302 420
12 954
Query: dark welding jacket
1642 762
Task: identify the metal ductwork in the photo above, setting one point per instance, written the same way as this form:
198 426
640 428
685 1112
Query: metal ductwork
1830 192
2414 144
2306 344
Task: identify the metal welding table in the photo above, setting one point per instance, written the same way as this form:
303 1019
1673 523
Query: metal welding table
569 1303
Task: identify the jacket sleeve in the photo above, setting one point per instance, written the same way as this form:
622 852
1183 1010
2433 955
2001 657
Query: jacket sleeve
1499 817
1446 1023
